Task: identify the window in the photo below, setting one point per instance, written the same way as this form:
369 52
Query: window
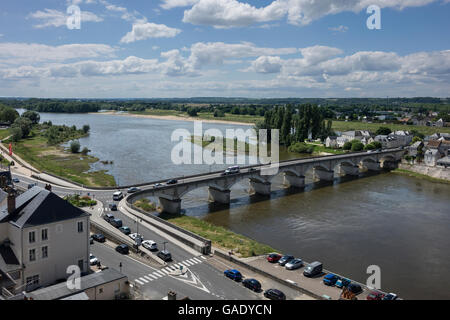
32 255
32 281
44 234
44 252
80 227
31 237
81 264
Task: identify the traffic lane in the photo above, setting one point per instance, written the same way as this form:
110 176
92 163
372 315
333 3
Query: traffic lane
178 254
216 288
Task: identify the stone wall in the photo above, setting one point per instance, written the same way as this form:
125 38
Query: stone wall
434 172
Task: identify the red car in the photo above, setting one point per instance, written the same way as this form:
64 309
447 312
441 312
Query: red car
273 257
375 295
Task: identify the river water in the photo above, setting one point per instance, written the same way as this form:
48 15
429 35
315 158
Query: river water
399 223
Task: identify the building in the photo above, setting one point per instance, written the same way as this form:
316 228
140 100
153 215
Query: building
40 236
432 153
108 284
331 142
414 148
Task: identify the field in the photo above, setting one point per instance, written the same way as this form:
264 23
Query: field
56 160
357 125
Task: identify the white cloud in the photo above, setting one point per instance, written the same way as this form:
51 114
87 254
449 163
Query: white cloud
341 28
233 13
143 31
15 53
55 18
266 64
169 4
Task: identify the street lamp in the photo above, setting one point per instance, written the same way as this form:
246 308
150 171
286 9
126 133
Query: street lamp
164 244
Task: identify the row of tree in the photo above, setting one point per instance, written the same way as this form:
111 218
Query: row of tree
297 123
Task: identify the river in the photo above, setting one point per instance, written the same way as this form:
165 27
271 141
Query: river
399 223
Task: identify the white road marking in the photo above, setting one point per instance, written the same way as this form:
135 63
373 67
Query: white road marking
193 261
198 260
136 280
157 274
160 273
203 257
148 278
187 263
154 277
144 280
166 270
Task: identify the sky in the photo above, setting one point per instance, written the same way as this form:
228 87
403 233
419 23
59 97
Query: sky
224 48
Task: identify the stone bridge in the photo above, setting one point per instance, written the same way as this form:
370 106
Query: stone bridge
260 177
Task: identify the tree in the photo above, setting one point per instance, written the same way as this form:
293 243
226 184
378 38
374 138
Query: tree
8 115
383 131
32 115
347 145
192 112
75 146
85 151
415 139
16 134
86 128
24 124
377 144
357 146
369 146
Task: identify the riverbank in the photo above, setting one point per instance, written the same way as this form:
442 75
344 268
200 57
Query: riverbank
175 117
433 174
59 161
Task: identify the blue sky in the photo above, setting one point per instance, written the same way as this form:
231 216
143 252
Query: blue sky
186 48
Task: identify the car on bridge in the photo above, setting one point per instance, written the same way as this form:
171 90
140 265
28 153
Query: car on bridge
252 284
172 181
157 185
108 217
150 245
231 170
133 190
164 255
135 236
233 274
116 223
274 294
294 264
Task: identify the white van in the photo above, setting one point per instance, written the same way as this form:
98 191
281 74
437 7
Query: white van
117 196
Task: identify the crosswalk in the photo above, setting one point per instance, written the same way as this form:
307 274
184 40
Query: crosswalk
157 274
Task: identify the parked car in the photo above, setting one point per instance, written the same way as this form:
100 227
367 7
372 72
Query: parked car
15 180
274 294
330 279
99 237
273 257
390 296
92 259
313 269
165 255
31 185
252 284
343 282
355 288
91 240
133 190
233 274
294 264
375 295
285 259
150 245
116 223
108 217
172 181
125 230
117 196
113 207
123 249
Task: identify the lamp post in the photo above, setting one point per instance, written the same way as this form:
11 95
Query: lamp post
164 244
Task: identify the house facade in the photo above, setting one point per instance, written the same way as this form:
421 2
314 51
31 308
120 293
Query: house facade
40 236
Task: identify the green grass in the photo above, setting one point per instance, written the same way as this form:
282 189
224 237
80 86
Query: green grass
145 205
321 148
230 117
221 237
159 112
56 160
4 133
357 125
419 175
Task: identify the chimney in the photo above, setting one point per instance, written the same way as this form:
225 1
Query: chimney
11 202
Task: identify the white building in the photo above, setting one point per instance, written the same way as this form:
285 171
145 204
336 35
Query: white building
40 236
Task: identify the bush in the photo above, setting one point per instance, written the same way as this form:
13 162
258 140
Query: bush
347 145
357 146
383 131
75 146
300 147
377 144
86 128
85 151
369 146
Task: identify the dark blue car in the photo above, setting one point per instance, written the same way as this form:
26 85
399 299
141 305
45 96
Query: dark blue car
330 279
233 274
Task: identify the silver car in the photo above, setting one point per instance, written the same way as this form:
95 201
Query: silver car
294 264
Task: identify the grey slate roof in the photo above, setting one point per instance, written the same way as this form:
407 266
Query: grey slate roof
60 291
39 206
